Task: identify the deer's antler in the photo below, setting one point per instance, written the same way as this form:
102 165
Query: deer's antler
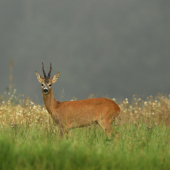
50 70
43 70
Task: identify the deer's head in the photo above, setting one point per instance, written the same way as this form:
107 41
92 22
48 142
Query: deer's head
46 82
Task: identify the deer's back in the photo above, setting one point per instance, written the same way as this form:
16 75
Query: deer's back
86 111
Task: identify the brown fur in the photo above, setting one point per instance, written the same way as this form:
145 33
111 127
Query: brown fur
74 114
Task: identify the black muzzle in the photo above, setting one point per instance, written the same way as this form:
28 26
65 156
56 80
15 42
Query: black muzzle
45 91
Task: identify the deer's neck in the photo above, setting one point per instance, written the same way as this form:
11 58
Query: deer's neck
50 102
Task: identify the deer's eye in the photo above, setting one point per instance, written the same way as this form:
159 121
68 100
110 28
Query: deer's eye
42 84
50 85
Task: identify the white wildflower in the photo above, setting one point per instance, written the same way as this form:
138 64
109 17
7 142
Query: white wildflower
145 103
126 101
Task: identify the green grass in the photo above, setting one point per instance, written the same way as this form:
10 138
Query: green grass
30 141
87 148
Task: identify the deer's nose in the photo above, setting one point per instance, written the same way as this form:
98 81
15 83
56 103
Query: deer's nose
45 90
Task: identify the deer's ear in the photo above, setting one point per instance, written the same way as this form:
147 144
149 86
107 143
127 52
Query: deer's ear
39 78
55 77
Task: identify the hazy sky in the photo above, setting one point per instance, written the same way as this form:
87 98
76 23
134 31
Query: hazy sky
114 48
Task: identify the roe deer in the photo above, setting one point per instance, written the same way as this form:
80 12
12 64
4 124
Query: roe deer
74 114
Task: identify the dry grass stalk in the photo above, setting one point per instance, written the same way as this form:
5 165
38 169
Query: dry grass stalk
152 111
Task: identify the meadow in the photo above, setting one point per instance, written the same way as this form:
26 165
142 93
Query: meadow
30 140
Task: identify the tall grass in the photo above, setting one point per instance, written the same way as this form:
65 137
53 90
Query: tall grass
30 140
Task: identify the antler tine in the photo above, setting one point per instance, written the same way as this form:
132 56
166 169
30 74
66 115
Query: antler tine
43 70
50 70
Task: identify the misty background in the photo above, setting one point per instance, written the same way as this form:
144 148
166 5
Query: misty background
115 48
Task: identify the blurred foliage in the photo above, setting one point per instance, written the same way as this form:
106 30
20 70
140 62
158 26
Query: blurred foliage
30 140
